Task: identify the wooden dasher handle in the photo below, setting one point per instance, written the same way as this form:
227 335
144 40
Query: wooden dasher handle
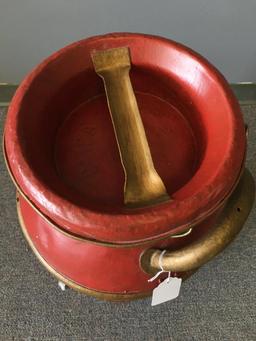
143 186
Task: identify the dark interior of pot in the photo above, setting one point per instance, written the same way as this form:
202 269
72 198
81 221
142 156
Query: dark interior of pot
73 134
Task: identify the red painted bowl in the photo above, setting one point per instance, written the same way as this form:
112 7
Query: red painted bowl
62 153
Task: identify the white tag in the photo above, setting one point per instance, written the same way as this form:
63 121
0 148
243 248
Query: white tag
166 290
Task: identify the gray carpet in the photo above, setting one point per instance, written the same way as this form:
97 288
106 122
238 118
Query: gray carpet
217 303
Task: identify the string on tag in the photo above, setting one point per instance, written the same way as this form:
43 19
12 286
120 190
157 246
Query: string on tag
169 276
161 267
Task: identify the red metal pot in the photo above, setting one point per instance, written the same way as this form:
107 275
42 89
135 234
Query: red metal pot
63 156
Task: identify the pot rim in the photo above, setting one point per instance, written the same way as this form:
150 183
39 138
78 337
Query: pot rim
162 220
186 230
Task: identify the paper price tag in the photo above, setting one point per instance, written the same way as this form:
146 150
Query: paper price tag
167 290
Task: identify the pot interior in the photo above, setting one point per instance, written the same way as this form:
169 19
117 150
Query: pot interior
70 142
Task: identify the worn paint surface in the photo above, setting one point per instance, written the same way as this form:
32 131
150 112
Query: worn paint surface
62 153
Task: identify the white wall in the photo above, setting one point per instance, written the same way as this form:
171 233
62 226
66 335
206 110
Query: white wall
224 31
